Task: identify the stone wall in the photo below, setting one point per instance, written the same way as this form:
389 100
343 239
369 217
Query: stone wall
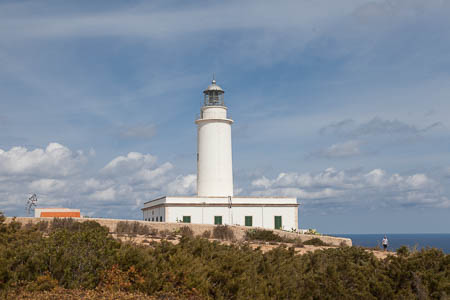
198 229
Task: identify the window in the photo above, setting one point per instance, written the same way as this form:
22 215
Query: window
186 219
217 220
248 221
278 223
160 218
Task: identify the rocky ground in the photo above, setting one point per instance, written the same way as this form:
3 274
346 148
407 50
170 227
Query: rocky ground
263 246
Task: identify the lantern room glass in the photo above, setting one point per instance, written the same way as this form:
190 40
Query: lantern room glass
213 98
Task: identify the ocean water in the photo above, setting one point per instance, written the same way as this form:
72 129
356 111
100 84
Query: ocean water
418 240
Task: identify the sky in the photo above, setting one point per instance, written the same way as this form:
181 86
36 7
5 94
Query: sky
342 104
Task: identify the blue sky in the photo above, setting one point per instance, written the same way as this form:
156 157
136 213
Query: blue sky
342 104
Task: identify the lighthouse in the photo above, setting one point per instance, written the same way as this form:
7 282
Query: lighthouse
214 153
215 202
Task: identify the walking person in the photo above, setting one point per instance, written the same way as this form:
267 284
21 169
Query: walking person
385 243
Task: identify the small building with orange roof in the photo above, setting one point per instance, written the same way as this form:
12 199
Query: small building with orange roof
56 212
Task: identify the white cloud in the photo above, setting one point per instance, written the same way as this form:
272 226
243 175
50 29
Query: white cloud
104 195
330 177
375 127
124 183
355 188
54 161
46 185
183 185
345 149
123 165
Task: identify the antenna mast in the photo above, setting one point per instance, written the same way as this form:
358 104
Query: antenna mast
31 204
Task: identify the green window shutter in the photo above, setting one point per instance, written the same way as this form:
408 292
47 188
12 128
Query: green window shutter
186 219
217 220
248 221
278 223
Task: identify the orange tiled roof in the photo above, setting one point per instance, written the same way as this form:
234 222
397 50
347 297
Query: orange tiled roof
60 214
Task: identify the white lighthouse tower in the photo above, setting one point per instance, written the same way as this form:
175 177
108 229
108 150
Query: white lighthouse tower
215 202
214 156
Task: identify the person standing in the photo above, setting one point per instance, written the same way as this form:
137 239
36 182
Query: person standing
385 243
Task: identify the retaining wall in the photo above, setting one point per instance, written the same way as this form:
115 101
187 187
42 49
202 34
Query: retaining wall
198 229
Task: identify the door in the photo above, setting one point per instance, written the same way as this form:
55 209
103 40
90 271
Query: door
248 221
278 223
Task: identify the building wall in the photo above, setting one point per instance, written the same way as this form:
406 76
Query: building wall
261 216
156 214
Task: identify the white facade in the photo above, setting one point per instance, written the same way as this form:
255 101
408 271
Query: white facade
261 212
214 158
215 203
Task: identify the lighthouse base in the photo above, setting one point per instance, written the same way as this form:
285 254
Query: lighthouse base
265 212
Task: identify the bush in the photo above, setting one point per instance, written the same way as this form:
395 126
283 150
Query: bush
206 234
64 223
42 226
262 235
89 260
133 228
298 243
43 283
186 231
403 251
315 242
164 233
223 232
271 237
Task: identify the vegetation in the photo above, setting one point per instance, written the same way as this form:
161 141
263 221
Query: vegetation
271 237
186 231
223 232
83 259
132 228
312 231
315 242
262 235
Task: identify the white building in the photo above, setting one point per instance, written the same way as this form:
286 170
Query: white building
215 202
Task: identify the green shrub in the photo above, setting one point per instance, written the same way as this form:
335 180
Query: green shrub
206 234
42 226
64 223
132 228
403 251
43 283
270 236
315 242
298 243
186 231
123 227
262 235
89 259
223 232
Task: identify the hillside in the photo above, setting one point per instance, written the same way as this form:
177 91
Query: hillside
68 257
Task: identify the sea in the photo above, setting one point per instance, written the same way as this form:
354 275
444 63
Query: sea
396 240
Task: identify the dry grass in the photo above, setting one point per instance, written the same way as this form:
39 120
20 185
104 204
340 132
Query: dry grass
64 294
